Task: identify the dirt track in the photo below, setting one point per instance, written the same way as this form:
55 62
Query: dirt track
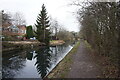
84 66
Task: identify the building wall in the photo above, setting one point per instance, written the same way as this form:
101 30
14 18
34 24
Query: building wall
20 31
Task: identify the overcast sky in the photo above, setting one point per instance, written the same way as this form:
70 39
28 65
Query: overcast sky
58 9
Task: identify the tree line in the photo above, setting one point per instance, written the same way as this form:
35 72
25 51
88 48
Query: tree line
16 18
100 27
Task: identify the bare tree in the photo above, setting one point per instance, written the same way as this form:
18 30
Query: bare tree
54 26
6 18
19 19
100 27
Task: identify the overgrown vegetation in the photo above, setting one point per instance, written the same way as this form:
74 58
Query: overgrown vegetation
100 27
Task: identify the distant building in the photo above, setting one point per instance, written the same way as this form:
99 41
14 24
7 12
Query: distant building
22 30
14 30
8 29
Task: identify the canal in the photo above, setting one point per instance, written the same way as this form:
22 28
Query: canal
34 62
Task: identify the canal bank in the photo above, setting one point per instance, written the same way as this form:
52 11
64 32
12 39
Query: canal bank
61 70
12 45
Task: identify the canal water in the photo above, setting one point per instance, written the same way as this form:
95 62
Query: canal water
34 62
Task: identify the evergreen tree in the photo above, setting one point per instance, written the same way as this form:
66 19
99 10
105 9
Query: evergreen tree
42 32
29 32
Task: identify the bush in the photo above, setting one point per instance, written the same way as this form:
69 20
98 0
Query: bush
10 38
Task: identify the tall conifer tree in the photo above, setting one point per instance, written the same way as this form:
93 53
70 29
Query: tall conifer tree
43 31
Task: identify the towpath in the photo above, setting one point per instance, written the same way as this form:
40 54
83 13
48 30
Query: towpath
84 65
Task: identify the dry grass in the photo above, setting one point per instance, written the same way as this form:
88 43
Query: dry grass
57 42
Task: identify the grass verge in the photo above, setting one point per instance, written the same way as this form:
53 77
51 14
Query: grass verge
62 69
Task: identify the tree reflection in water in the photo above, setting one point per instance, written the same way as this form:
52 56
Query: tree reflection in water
24 63
29 55
43 58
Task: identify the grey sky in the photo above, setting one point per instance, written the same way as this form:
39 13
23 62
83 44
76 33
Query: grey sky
58 9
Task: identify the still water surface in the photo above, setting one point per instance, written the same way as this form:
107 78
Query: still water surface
34 62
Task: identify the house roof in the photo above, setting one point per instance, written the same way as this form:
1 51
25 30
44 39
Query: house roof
23 27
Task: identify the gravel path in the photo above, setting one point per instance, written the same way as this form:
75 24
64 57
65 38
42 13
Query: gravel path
84 66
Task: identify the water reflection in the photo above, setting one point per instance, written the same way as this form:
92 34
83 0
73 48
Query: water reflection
33 63
43 58
29 55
